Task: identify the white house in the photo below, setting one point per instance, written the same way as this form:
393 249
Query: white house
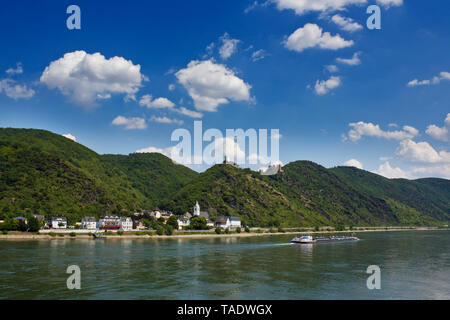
227 222
183 222
88 223
58 223
109 222
126 224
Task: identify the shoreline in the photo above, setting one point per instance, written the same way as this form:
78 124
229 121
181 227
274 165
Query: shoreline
26 236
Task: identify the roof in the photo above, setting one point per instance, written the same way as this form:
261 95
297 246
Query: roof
235 218
88 219
222 219
204 214
59 218
20 218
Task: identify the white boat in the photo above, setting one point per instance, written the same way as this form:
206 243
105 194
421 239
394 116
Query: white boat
304 239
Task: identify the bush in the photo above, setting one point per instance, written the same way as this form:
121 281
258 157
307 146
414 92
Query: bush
60 234
198 223
247 229
227 231
238 230
218 230
72 234
281 230
172 221
5 232
159 230
33 225
168 230
271 230
316 228
52 234
120 233
109 233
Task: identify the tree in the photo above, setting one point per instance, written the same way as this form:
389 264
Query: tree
238 230
33 225
198 223
247 229
159 230
218 230
168 230
173 222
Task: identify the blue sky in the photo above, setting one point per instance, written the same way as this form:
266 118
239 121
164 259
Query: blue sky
288 88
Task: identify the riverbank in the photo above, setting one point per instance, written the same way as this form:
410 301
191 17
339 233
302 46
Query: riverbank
28 236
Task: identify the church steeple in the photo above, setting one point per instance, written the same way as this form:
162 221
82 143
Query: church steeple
196 209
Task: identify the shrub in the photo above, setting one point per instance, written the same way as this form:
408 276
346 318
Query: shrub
60 234
271 230
33 225
120 233
109 233
168 230
238 230
72 234
218 230
52 234
227 231
159 230
247 229
316 228
281 230
5 232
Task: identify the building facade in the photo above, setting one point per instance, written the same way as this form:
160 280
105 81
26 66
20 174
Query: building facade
126 224
58 223
89 223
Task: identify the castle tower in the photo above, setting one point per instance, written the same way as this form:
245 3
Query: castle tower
196 209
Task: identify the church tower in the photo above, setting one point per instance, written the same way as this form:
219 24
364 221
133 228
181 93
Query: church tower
196 209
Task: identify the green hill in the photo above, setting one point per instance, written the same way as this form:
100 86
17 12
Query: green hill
42 172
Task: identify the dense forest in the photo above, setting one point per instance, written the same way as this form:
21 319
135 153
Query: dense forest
45 173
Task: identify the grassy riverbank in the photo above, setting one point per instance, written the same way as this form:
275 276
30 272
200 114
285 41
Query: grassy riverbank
199 235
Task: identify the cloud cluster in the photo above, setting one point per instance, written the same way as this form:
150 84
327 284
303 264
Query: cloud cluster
158 103
324 86
130 123
440 133
435 80
229 46
259 55
311 36
388 171
166 120
346 24
353 61
14 90
87 77
70 136
17 70
210 84
302 7
353 163
361 129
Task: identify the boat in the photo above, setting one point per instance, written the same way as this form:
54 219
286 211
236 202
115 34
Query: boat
309 239
97 235
304 239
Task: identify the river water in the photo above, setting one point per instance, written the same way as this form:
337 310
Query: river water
413 264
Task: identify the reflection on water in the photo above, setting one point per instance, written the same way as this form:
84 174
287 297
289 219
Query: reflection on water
415 265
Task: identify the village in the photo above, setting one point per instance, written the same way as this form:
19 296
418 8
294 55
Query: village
140 221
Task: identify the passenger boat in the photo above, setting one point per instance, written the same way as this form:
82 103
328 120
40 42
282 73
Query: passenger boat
304 239
310 239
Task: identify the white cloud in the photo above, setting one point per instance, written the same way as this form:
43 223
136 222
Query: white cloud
392 173
440 133
346 24
14 90
390 3
353 163
229 46
435 80
421 152
210 84
259 55
332 68
158 103
311 36
189 113
130 123
166 151
171 87
302 7
324 86
17 70
353 61
70 136
84 77
440 171
166 120
361 129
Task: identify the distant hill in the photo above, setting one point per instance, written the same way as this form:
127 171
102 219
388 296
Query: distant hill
42 172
